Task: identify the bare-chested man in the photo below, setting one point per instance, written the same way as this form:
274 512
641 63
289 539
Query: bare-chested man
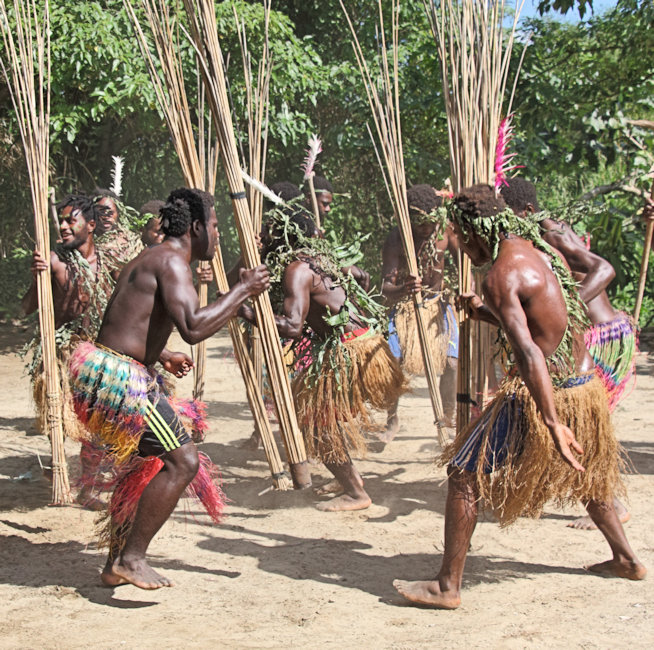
81 286
612 339
333 386
522 451
117 394
432 239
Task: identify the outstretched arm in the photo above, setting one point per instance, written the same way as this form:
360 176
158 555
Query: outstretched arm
504 301
296 285
180 300
598 272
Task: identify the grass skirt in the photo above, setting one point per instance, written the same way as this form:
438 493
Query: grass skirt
613 346
520 474
435 315
335 395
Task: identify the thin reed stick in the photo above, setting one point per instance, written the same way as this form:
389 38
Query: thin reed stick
25 65
383 97
199 167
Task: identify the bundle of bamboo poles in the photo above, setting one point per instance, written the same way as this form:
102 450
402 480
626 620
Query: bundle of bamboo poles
26 68
199 165
475 53
257 92
385 107
204 32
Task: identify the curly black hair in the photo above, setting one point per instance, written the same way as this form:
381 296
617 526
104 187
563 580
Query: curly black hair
101 192
151 207
422 199
286 190
89 209
182 208
479 201
320 184
518 194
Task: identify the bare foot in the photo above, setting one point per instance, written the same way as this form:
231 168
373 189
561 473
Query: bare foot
586 523
332 487
345 502
136 572
392 427
619 569
428 592
253 442
88 501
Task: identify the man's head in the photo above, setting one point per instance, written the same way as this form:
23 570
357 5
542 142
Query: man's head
520 196
151 234
79 215
109 200
289 227
324 195
191 212
472 214
286 190
423 203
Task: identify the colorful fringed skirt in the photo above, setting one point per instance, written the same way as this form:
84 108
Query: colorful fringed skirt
334 396
127 406
517 467
442 329
613 346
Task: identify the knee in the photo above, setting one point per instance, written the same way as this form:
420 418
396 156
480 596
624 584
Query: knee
461 480
184 462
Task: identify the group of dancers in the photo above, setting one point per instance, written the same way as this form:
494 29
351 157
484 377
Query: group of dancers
545 434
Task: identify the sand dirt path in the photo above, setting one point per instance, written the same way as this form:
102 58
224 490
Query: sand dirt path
279 573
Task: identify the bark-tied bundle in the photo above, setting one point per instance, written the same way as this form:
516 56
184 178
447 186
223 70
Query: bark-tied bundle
25 65
475 52
199 164
383 97
204 33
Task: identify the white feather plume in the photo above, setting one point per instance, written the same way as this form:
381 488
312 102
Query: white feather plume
261 188
117 175
315 147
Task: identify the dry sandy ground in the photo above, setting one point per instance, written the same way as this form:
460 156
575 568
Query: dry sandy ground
279 573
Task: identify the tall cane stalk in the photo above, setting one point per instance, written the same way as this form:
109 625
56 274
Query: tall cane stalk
26 68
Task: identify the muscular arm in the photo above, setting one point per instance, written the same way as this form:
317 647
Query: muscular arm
362 277
598 272
180 300
30 301
296 285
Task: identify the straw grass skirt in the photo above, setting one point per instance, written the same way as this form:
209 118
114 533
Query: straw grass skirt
440 323
516 465
334 401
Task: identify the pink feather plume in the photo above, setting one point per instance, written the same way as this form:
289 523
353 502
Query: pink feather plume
502 158
315 147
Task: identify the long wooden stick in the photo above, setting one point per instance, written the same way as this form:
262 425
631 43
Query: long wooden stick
204 32
385 110
199 165
27 45
647 247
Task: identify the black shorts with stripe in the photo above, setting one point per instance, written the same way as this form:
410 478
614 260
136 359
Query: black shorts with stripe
164 432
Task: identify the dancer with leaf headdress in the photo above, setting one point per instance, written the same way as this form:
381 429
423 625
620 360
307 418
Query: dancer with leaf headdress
349 367
612 338
81 285
433 237
547 433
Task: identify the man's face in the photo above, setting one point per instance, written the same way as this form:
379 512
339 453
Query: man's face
108 220
208 247
423 230
472 246
152 233
324 203
75 231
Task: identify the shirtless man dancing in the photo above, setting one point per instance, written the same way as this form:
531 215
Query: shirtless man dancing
118 395
522 451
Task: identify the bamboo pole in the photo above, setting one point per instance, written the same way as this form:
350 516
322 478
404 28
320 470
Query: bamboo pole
647 247
314 202
199 167
26 69
385 110
204 34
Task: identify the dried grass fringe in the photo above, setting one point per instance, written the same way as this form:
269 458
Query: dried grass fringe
332 414
435 311
534 472
73 428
